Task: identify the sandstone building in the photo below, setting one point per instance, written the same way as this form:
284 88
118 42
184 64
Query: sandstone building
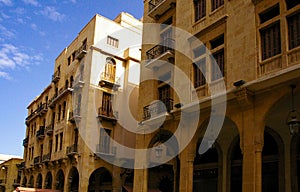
70 124
247 51
10 175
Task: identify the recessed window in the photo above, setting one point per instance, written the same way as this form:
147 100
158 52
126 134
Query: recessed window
217 41
112 41
269 13
200 9
294 30
215 4
69 60
73 55
218 68
292 3
201 50
270 40
199 73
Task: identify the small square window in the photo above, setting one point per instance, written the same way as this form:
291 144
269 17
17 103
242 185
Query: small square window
112 41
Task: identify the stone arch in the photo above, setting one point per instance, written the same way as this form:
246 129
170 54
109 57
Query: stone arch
100 180
73 180
24 182
60 180
31 181
235 166
272 162
48 181
39 181
166 175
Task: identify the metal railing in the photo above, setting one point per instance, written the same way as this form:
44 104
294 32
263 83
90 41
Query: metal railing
37 160
41 132
49 129
56 76
81 51
154 3
163 47
46 157
157 108
72 149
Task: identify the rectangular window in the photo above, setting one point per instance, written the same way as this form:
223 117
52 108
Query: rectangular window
270 40
218 67
292 3
199 51
215 4
200 9
56 142
199 73
112 41
73 56
61 141
106 108
217 42
69 60
104 143
294 30
164 94
269 13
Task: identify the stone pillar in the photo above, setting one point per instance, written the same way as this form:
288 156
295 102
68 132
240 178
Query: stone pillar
140 183
258 167
116 179
186 172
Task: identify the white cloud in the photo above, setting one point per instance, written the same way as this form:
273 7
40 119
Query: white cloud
52 14
19 11
33 26
6 2
5 75
4 32
31 2
12 57
73 1
4 16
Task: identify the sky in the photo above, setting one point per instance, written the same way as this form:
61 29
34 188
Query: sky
32 35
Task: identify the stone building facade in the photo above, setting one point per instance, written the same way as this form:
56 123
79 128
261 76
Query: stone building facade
10 175
200 52
69 125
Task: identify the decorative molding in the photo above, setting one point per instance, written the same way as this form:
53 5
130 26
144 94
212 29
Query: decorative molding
244 97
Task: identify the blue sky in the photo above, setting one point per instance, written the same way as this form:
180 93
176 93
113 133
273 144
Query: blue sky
32 34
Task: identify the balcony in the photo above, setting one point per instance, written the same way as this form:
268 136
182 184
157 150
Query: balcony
46 158
79 82
72 150
25 142
56 76
31 117
74 116
107 150
2 182
40 134
157 109
37 160
80 53
62 92
22 165
160 54
159 7
107 115
108 80
42 109
49 129
16 183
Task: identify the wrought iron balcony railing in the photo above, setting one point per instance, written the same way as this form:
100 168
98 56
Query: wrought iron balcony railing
40 134
25 142
46 158
56 76
81 52
37 160
72 150
74 115
158 108
22 165
49 129
159 7
105 149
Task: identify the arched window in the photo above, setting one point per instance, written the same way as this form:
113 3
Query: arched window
110 70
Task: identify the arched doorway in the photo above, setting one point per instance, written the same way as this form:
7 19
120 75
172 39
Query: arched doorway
31 181
73 180
48 181
60 180
272 167
24 182
39 181
100 181
236 166
206 168
163 177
